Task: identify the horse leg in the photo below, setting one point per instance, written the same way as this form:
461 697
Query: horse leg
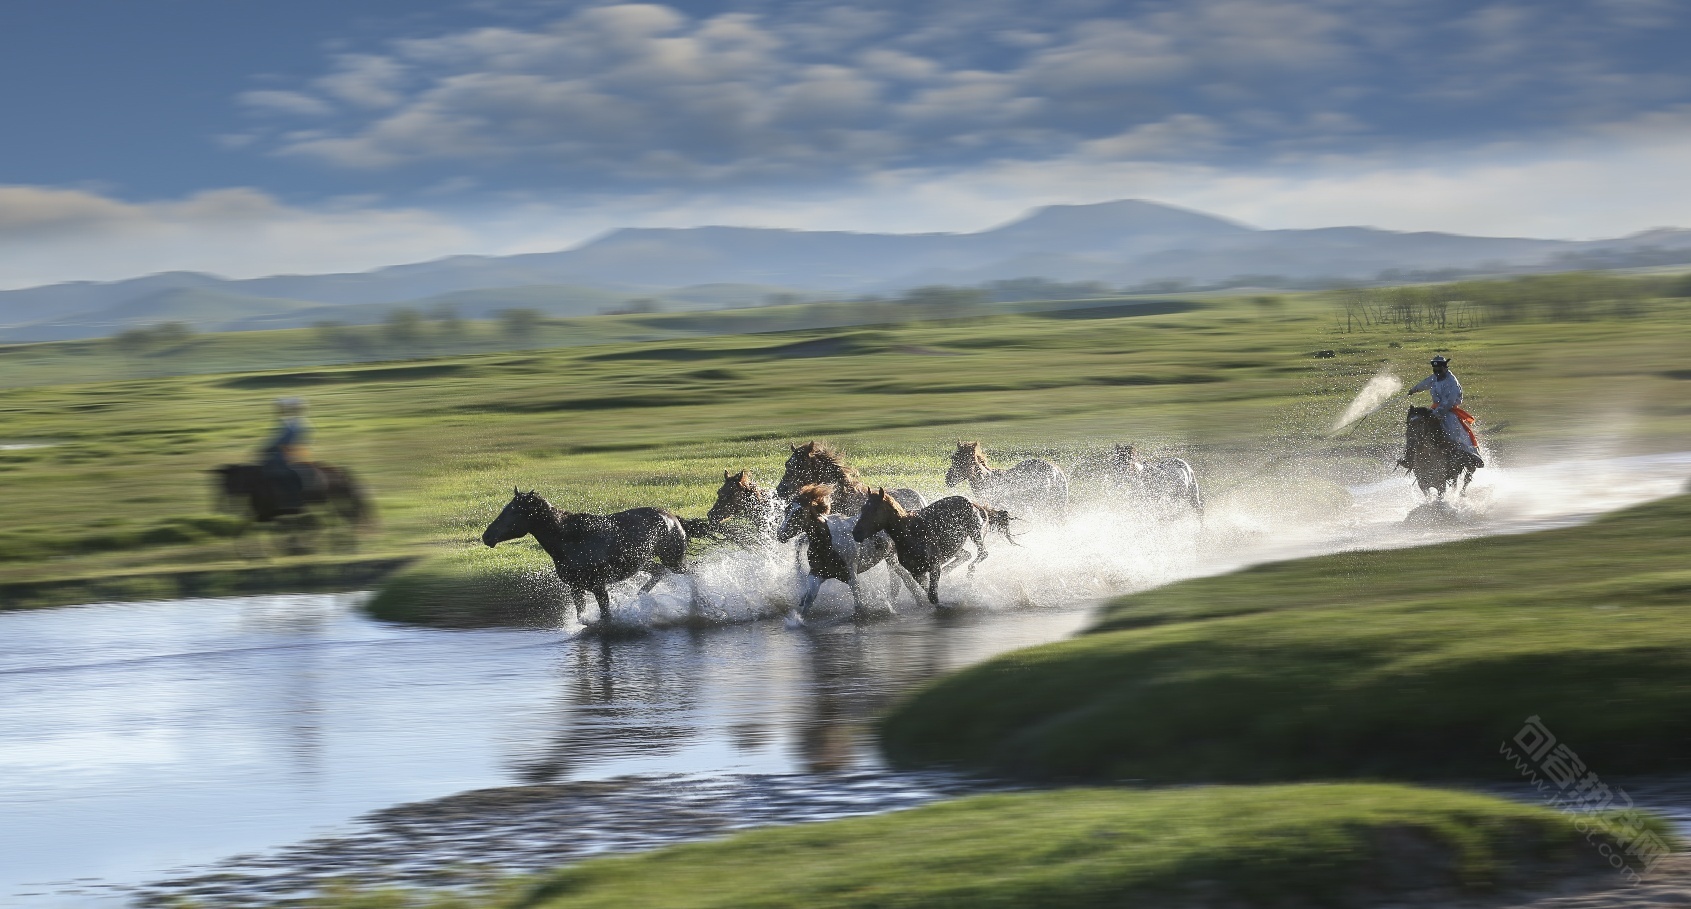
580 598
604 597
813 585
899 574
658 572
980 548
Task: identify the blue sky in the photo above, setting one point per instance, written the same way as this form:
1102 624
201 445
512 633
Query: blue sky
246 137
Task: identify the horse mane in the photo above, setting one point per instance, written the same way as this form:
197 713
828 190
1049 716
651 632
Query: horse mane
821 451
882 494
547 513
814 495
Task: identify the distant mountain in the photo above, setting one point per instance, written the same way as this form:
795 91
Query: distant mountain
1121 243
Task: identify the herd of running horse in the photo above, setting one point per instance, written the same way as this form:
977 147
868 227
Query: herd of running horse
848 527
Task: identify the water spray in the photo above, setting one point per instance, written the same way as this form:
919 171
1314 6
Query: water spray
1373 396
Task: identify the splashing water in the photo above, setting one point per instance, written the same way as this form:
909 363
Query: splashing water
1105 548
1373 396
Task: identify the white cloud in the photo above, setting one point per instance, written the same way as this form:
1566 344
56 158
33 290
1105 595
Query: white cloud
284 102
53 234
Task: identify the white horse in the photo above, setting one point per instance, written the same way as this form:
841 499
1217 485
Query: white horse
834 554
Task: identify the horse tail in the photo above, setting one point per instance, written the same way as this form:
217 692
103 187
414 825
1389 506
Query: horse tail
360 509
998 519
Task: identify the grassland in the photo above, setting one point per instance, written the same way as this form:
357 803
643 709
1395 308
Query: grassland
1334 845
1411 664
117 485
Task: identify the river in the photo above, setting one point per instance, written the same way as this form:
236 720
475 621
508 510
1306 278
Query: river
138 741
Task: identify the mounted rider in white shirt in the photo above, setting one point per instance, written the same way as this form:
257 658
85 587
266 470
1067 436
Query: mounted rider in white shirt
1447 406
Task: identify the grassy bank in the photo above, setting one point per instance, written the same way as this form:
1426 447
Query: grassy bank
1411 664
467 588
114 482
1267 846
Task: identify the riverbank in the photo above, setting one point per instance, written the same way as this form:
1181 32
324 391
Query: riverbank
296 574
1409 664
1336 845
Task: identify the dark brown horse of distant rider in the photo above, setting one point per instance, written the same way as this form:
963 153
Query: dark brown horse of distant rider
814 462
1033 486
1436 461
591 551
930 540
834 554
332 488
1162 484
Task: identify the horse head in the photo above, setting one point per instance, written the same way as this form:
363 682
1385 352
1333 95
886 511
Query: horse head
517 518
812 503
880 511
737 496
810 463
967 463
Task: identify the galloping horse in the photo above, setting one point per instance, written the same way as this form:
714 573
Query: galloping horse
336 490
740 498
834 554
813 463
591 551
1034 485
1437 463
930 540
1156 482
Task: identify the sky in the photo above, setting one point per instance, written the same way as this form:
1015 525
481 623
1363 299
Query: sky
252 137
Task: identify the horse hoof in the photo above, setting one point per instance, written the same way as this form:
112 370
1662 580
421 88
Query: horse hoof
794 620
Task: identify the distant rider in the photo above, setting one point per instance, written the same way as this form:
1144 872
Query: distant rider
283 452
1447 408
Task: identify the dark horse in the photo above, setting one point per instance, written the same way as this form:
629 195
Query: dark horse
930 540
591 551
1156 483
332 488
813 463
1034 485
1437 463
834 554
756 511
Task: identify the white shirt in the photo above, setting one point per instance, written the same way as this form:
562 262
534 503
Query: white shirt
1447 392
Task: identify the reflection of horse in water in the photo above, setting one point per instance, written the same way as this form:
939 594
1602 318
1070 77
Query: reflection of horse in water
1436 461
591 551
327 487
813 463
834 555
1161 484
1034 486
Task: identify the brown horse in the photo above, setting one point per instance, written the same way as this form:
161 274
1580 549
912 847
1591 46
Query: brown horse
813 463
930 540
1437 462
1163 484
834 554
330 488
590 551
1034 485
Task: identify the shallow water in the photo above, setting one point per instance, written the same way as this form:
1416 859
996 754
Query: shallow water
141 738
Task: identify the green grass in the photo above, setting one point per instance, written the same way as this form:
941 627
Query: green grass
613 424
469 588
1328 845
1410 664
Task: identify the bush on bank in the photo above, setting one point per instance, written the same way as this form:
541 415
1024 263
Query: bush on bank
1412 664
1331 845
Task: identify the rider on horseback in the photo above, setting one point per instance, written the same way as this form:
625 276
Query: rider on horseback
280 454
1447 409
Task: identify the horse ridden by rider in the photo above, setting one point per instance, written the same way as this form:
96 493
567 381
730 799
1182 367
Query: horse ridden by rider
1440 447
283 483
